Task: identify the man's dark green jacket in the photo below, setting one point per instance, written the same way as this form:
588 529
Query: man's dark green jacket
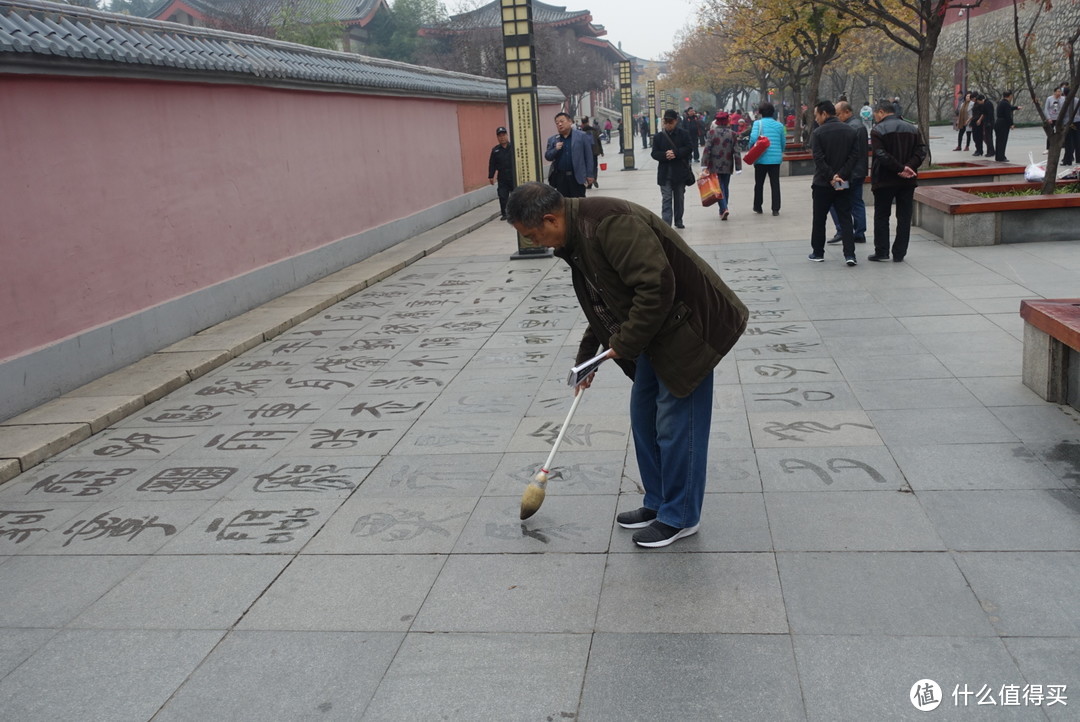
668 302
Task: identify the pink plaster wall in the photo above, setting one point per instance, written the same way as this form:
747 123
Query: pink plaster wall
118 195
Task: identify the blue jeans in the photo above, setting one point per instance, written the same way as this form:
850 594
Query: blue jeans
671 202
671 440
725 182
858 210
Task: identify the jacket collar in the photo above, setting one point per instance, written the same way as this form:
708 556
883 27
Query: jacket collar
571 210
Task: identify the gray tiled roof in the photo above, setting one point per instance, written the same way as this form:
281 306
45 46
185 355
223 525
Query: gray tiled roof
43 37
344 10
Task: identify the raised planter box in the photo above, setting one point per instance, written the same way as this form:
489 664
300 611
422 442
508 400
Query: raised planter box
963 219
797 163
970 171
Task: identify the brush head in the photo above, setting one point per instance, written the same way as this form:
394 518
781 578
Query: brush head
533 497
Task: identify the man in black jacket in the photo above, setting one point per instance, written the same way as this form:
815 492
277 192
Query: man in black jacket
1003 124
835 147
502 162
978 118
672 148
898 148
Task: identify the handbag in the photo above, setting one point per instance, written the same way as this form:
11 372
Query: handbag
708 186
756 150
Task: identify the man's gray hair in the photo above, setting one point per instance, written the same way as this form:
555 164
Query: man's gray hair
530 202
885 106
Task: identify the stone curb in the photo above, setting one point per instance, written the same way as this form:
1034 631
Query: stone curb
36 435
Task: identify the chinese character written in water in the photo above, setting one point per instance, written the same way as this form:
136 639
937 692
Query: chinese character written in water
402 525
809 396
247 440
321 384
383 407
18 526
233 388
283 409
304 478
405 382
83 482
758 331
337 364
187 478
789 431
114 527
269 527
790 466
579 434
292 347
188 414
782 370
135 442
341 438
797 347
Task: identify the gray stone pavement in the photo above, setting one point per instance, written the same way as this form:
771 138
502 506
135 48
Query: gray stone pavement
326 527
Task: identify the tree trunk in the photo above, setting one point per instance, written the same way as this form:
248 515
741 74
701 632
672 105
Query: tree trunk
1056 142
922 92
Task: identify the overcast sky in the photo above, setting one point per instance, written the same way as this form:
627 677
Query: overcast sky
646 28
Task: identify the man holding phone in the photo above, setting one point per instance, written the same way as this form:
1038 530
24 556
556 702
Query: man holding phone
835 147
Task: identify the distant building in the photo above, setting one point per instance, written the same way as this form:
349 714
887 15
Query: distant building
358 17
573 25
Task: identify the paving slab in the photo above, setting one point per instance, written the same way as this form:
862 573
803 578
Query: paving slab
860 677
1005 519
286 675
48 592
92 673
705 676
735 593
532 593
210 592
879 593
483 676
1026 594
850 521
309 595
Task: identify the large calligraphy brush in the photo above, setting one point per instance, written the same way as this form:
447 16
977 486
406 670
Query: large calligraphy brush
534 492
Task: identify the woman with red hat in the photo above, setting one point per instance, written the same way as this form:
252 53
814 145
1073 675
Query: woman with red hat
722 157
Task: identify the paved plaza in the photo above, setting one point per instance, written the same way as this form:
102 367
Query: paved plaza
326 526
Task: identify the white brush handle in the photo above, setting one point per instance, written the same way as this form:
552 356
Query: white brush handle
562 432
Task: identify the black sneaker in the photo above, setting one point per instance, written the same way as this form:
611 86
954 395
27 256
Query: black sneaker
776 213
860 239
816 259
659 534
636 519
850 260
679 225
835 239
757 210
877 258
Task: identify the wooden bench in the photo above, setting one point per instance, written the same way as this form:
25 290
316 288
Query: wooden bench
1052 349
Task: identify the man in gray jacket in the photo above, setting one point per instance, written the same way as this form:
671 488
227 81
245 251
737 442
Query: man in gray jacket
667 320
858 176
